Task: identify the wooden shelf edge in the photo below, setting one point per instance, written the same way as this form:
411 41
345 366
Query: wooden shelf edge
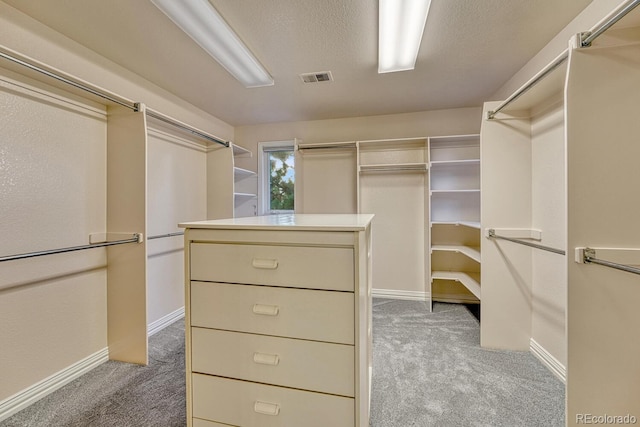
470 252
470 281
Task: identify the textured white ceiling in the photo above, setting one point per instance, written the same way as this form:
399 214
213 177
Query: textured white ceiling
470 48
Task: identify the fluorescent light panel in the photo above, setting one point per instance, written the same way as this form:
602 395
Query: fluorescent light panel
401 25
201 22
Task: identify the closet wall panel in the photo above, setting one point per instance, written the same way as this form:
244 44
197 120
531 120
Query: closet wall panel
398 201
326 181
53 310
603 206
506 203
177 178
127 213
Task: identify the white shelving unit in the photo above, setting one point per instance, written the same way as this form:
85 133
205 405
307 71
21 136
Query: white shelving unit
245 200
454 191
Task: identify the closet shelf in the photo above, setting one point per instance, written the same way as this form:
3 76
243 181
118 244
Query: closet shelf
441 163
469 251
470 280
470 224
240 173
244 196
455 191
240 151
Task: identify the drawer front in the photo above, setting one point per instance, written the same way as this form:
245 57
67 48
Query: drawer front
299 267
307 365
284 312
249 404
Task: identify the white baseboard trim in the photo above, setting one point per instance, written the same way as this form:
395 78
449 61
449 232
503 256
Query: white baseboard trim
557 368
37 391
397 294
164 321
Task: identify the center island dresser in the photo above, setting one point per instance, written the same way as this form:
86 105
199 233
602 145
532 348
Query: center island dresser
278 321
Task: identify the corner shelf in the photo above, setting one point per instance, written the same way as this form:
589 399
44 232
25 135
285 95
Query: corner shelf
472 252
470 281
455 201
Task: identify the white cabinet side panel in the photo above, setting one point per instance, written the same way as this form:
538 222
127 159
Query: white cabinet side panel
505 203
603 204
220 186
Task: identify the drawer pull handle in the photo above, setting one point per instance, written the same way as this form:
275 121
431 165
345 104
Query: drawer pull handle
266 359
266 408
266 310
265 264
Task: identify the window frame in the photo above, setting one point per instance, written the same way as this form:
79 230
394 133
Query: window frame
264 200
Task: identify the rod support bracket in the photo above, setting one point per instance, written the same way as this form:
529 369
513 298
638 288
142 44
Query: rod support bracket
491 232
582 37
588 254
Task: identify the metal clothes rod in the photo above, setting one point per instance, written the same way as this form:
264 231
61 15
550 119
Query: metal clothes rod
130 105
137 238
595 32
492 234
160 236
326 146
528 85
185 127
589 258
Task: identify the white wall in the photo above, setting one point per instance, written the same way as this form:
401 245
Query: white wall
53 194
426 123
590 16
548 204
177 192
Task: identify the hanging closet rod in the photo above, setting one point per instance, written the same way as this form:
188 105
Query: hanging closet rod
137 238
589 257
160 236
531 83
180 125
327 145
492 234
588 37
110 97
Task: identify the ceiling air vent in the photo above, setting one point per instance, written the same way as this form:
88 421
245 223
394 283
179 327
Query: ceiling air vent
322 76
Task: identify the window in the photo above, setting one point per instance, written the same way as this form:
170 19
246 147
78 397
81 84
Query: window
276 175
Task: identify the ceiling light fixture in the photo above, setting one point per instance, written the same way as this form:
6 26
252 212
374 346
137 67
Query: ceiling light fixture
201 22
401 25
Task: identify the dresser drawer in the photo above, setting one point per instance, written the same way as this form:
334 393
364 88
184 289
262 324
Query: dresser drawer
249 404
292 266
285 312
307 365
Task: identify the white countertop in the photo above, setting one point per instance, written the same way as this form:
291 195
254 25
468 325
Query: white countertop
325 222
